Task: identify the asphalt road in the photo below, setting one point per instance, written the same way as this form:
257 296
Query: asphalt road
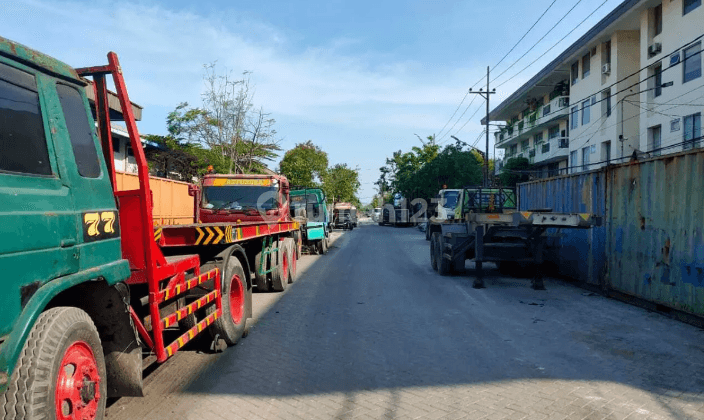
371 331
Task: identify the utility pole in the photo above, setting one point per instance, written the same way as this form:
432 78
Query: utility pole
486 95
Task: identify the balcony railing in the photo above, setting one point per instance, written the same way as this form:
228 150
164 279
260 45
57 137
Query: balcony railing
556 108
553 149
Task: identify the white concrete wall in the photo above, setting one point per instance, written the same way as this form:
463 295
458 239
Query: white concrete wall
680 99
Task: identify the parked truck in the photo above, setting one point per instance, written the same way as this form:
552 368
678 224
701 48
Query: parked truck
89 282
344 216
488 227
310 210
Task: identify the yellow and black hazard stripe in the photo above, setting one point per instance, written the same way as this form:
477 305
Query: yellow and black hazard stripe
157 234
210 235
188 336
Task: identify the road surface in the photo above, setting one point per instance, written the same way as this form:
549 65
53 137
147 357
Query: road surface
371 331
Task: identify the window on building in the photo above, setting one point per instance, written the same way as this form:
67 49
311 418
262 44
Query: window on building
606 53
525 144
24 145
80 131
606 151
586 151
554 132
657 20
585 111
692 130
606 103
130 152
586 65
657 80
574 117
692 62
689 5
538 138
655 139
575 72
573 161
546 110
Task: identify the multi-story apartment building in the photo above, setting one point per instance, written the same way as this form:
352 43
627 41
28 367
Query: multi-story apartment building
632 83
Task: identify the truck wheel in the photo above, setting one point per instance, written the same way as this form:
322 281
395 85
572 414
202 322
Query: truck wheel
444 266
324 246
61 370
433 252
189 321
292 270
230 326
279 278
261 280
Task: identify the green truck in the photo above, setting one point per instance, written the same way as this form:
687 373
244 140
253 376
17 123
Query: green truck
309 208
90 282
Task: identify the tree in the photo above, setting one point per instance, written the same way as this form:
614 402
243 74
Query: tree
341 184
304 164
227 123
513 172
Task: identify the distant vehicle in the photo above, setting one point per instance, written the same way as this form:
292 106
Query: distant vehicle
309 209
445 209
376 214
344 216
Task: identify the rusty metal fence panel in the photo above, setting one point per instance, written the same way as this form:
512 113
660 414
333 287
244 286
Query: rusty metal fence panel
656 230
578 254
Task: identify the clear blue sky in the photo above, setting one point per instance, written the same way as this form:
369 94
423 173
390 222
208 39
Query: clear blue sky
358 78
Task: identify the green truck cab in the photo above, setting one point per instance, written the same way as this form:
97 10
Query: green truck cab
60 251
309 208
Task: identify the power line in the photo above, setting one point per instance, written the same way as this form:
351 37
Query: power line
539 41
549 49
526 33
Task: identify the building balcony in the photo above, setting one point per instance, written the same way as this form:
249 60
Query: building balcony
559 107
555 149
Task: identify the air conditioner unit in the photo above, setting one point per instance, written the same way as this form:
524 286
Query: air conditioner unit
654 48
606 68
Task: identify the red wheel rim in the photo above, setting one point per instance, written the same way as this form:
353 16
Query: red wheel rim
77 384
236 299
293 265
285 266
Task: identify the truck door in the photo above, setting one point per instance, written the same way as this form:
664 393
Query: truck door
37 229
94 203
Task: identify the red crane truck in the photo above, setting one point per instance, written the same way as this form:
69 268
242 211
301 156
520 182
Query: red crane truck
89 282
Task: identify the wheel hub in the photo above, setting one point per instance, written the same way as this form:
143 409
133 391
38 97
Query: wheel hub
77 384
236 299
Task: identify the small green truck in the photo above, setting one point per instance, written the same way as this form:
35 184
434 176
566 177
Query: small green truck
308 207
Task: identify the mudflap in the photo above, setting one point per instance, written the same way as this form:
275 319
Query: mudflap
109 309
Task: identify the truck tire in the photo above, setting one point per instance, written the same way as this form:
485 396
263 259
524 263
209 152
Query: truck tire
261 280
292 269
297 241
279 276
433 252
444 266
324 245
233 284
61 370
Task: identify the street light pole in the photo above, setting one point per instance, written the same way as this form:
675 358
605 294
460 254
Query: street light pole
486 95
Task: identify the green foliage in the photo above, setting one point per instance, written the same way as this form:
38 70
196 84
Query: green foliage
423 171
304 164
509 178
341 184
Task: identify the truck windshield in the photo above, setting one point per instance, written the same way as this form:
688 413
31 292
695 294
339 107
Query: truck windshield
450 199
238 197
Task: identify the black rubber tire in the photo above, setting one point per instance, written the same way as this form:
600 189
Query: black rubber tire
292 275
189 321
262 281
433 255
324 245
279 276
444 266
32 389
225 326
296 241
